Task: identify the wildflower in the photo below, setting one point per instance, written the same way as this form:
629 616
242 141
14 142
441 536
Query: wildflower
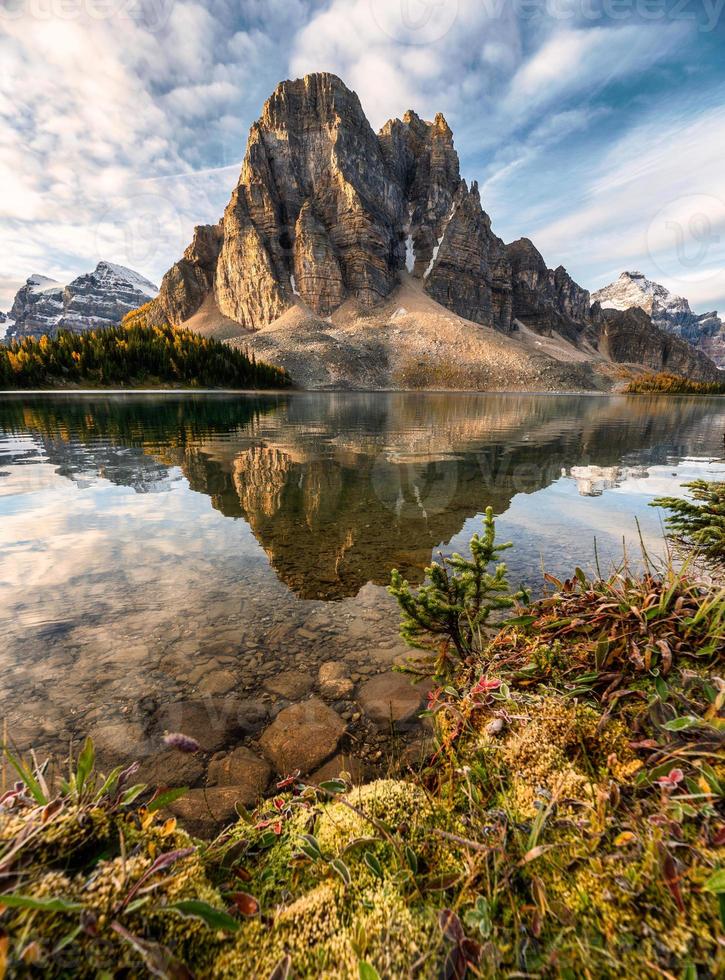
289 780
434 699
484 685
670 781
182 743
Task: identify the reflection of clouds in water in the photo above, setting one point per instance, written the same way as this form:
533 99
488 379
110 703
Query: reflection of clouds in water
560 523
654 481
65 547
667 481
115 597
18 480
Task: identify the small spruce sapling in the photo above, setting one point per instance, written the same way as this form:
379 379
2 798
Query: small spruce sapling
699 522
449 612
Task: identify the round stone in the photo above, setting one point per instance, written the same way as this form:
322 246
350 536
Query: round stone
302 736
171 768
334 680
203 812
391 700
290 684
240 768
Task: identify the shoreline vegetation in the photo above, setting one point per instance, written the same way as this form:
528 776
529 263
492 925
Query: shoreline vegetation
132 354
673 384
567 821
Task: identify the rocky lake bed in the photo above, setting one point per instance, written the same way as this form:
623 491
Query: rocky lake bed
262 701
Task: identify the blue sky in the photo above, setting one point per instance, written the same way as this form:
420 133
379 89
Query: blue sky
595 127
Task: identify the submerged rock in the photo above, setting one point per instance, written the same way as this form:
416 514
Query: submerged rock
242 769
171 768
290 684
334 680
302 736
391 699
214 722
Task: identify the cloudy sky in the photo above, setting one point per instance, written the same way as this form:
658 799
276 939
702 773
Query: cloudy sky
595 127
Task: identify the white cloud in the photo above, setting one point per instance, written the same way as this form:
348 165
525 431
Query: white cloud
117 135
426 60
573 61
92 109
655 201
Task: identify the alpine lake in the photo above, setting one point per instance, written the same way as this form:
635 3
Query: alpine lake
189 562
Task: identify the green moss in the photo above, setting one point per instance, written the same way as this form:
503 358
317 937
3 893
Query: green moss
94 857
330 928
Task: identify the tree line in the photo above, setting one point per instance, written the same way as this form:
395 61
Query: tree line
132 354
673 384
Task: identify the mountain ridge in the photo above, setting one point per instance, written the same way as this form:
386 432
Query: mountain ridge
326 210
94 299
672 313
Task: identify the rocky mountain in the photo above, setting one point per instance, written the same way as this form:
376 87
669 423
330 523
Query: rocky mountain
631 336
97 299
705 331
329 221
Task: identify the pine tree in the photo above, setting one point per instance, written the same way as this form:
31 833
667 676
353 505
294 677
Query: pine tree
131 354
700 525
449 613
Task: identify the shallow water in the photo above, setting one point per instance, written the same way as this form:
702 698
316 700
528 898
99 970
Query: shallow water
167 548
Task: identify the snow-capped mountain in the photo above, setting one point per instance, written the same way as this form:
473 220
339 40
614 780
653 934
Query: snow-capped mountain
37 305
705 331
96 299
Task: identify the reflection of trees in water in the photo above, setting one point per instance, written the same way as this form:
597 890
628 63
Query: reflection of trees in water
129 440
340 488
133 420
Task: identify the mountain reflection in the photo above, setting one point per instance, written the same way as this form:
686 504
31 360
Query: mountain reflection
339 489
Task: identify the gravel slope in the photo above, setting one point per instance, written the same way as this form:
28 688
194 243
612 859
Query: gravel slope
410 341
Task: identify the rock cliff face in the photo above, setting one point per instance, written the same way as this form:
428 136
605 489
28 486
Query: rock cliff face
37 307
97 299
672 313
187 283
543 299
313 165
630 336
327 211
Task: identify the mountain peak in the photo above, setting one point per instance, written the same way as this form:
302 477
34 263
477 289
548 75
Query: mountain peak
327 211
669 312
441 124
113 271
39 283
95 299
321 91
